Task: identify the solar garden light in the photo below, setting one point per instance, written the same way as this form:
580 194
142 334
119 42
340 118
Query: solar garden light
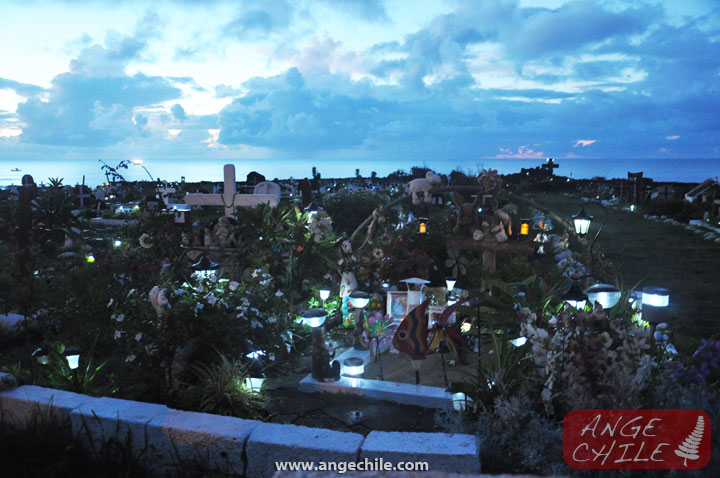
575 297
324 294
582 222
204 268
450 285
655 301
607 295
322 369
353 368
72 355
359 300
42 355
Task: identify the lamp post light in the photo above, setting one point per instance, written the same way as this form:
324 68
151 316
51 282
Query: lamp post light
322 369
607 295
582 222
359 300
575 297
524 228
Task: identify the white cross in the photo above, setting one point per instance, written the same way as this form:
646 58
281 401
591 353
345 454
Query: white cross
229 198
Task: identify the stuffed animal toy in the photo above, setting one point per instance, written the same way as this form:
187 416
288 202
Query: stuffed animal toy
420 188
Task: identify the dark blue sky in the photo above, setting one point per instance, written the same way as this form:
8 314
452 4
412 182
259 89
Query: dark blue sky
360 79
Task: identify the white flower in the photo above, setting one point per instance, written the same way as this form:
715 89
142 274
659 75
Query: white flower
271 320
118 334
138 336
234 285
255 324
200 288
279 293
179 291
130 358
553 321
110 302
210 298
132 291
213 278
199 306
256 272
119 318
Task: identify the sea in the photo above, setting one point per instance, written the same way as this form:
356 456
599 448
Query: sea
90 172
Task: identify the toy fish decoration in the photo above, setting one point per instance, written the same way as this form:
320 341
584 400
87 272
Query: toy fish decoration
414 339
411 336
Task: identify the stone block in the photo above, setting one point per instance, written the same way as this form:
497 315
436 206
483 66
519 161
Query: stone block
456 453
214 442
132 426
271 442
20 406
7 381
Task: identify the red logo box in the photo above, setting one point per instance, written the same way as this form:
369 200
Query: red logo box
636 439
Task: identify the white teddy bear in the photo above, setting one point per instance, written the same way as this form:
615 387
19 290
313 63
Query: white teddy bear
420 188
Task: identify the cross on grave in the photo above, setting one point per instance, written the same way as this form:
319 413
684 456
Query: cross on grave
490 249
229 198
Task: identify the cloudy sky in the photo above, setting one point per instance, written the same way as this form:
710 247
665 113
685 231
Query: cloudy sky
359 79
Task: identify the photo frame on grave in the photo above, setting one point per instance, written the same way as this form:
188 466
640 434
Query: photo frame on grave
397 304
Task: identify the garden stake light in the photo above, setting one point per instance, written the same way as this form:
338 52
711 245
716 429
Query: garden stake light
575 297
359 300
607 295
322 369
582 221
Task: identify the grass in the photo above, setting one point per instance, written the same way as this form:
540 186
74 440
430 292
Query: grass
659 254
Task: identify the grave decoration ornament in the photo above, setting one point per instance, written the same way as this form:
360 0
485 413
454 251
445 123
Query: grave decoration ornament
417 341
420 188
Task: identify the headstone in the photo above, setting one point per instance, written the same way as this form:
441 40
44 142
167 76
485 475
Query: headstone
229 197
268 187
306 192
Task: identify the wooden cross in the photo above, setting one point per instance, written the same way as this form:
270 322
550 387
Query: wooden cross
490 248
229 198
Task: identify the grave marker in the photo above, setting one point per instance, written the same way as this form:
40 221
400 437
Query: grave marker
229 197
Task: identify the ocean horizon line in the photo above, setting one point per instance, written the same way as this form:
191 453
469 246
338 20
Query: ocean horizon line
73 171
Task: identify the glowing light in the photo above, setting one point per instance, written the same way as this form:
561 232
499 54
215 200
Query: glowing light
90 258
324 294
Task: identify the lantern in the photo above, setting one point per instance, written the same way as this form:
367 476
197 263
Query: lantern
606 294
582 222
422 226
524 228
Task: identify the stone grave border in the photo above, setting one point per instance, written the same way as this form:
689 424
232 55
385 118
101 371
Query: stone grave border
170 438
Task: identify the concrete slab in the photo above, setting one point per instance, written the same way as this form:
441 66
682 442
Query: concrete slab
24 404
419 395
270 443
455 453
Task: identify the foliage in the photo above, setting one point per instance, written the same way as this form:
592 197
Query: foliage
221 389
46 447
80 380
349 209
676 208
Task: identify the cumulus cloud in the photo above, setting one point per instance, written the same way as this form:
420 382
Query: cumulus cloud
255 20
23 89
92 104
178 112
370 10
522 152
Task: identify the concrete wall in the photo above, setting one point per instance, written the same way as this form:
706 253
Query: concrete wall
168 438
